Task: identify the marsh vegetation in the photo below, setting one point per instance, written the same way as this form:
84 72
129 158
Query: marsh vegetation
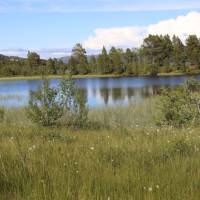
121 152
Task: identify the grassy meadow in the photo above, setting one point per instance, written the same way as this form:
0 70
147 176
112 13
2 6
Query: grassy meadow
121 155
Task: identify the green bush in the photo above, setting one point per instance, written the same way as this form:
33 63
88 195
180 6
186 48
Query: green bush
181 106
64 105
74 104
43 107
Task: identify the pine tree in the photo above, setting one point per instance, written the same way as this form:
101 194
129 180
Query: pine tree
178 53
103 62
79 54
193 50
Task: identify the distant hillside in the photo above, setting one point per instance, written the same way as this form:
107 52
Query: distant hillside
10 58
66 58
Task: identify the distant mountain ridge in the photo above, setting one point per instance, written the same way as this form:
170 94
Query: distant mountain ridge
12 58
65 59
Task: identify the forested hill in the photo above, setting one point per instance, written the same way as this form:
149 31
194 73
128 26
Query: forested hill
9 58
157 54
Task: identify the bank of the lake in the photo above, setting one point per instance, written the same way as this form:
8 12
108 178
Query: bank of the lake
37 77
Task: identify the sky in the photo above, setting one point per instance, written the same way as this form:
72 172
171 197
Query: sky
52 28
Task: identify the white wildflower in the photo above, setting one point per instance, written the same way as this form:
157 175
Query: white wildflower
150 189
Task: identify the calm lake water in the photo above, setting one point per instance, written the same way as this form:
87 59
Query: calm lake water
100 91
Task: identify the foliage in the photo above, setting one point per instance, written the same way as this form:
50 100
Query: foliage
33 60
103 62
193 50
44 108
181 106
64 105
157 54
80 59
74 104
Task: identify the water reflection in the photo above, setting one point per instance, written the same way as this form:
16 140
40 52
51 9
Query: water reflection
112 96
99 91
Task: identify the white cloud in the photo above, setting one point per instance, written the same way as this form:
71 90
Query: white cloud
181 26
115 36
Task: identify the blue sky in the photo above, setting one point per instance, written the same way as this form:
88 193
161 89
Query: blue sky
52 27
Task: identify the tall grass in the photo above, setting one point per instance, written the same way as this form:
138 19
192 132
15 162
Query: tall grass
37 163
123 160
136 114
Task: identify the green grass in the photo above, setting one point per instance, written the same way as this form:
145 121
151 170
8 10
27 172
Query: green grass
14 78
125 157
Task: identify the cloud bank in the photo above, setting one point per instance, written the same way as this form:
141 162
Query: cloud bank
181 26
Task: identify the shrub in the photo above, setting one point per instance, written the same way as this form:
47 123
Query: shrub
64 105
74 103
44 109
181 106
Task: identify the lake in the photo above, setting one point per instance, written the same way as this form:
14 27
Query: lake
100 91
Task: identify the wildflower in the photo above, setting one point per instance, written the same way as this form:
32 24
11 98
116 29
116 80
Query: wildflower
33 146
150 189
92 148
157 186
196 148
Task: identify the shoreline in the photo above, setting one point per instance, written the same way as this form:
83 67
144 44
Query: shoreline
37 77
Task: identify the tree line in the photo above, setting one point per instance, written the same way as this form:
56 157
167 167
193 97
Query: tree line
157 54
